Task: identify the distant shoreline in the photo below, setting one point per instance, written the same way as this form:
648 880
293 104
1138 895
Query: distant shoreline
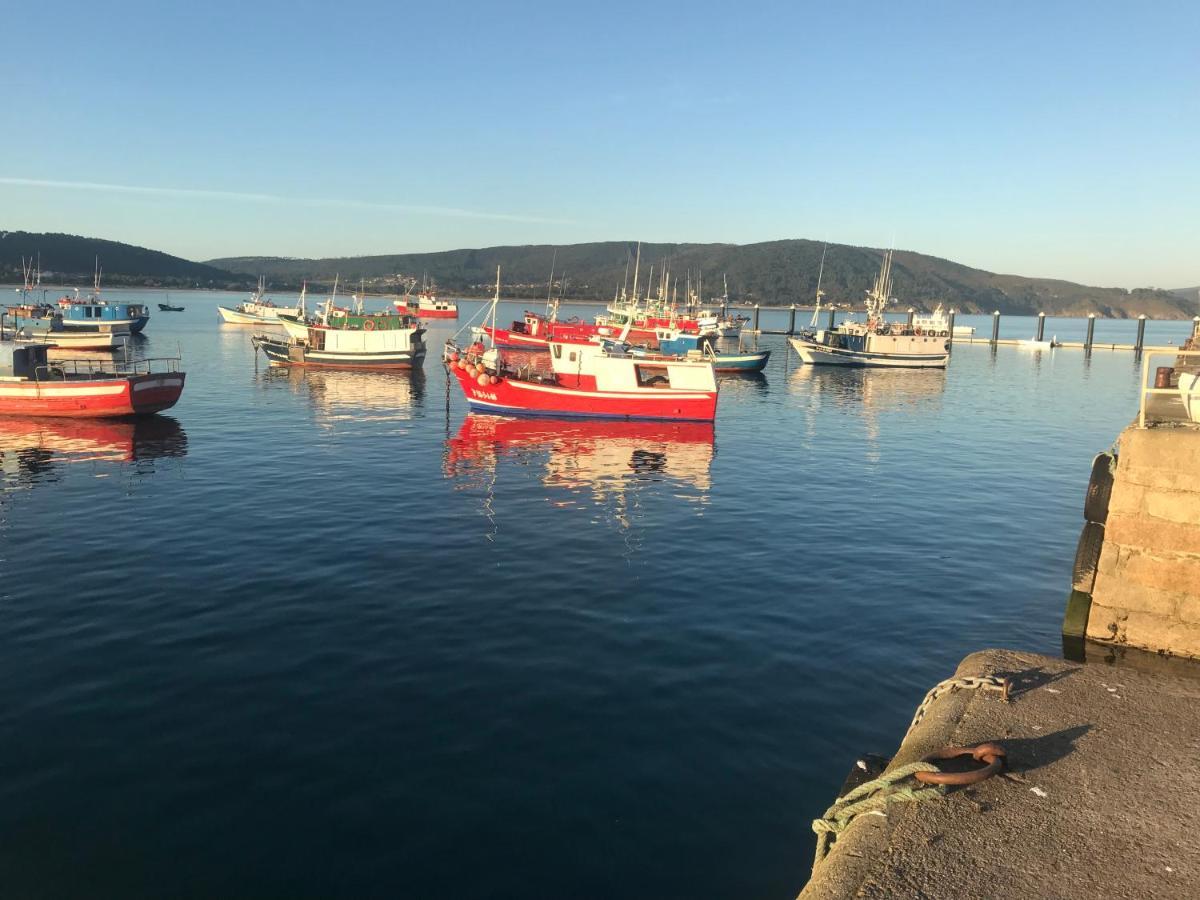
540 301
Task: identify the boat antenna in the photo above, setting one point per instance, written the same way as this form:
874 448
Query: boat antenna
550 284
636 265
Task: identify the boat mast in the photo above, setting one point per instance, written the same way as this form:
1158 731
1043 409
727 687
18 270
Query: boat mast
820 272
495 303
550 284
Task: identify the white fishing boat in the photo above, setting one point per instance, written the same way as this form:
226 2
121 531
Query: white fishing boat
1189 392
1035 344
342 339
938 323
875 342
256 310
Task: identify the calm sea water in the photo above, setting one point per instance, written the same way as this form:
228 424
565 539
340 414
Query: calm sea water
325 634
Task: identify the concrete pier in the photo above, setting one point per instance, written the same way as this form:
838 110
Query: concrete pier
1099 802
1145 590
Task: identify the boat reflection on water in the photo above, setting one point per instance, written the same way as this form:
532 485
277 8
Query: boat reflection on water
33 450
608 461
869 393
338 396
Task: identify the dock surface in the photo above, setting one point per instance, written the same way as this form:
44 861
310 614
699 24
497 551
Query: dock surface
1100 802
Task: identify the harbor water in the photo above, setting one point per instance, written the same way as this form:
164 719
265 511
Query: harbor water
324 634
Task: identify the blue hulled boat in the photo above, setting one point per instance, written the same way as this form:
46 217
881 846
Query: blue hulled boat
94 314
673 343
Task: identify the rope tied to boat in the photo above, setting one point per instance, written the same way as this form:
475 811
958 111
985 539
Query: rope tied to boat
950 685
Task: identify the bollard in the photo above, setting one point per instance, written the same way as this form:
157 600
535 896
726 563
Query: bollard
995 327
792 321
832 313
1041 326
911 312
950 331
1087 344
1141 335
754 326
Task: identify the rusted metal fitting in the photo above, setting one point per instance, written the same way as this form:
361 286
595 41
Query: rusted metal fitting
991 755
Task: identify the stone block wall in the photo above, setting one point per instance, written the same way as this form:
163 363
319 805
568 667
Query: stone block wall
1147 586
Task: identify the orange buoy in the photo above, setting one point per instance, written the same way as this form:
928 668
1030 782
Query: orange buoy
454 357
495 380
483 381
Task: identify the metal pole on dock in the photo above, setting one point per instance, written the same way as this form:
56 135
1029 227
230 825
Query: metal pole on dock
1141 335
950 333
995 327
911 312
832 313
1041 331
1087 344
792 321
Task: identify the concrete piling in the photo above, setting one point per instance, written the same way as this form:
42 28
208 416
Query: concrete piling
1141 336
754 322
792 321
950 333
1087 344
1041 327
995 327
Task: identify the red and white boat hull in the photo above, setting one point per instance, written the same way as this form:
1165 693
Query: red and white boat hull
131 395
526 398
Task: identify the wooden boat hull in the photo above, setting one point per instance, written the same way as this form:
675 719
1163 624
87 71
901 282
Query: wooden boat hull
286 353
525 398
80 340
814 354
734 363
131 395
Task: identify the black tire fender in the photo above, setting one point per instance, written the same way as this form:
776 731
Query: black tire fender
1087 558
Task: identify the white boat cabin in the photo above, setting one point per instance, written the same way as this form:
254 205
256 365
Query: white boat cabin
618 371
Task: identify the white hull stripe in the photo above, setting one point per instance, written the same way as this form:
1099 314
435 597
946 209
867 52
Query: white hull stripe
48 391
648 394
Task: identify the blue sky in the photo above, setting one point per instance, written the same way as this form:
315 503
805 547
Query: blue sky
1054 139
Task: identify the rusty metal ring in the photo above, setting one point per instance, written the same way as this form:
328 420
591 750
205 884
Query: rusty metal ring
991 755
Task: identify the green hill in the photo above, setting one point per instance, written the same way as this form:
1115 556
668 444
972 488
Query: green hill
68 259
772 273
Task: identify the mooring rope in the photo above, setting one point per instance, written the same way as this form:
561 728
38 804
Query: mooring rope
871 796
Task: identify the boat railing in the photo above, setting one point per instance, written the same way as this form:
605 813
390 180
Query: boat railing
1162 400
65 369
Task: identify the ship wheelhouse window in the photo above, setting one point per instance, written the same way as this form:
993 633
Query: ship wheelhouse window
558 351
571 358
652 376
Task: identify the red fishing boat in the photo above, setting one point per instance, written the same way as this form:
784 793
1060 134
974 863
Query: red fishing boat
535 330
33 385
